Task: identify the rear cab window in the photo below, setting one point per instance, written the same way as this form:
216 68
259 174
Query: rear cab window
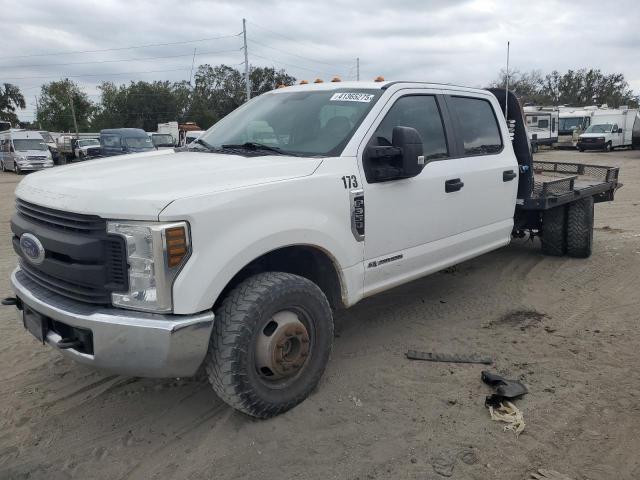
478 126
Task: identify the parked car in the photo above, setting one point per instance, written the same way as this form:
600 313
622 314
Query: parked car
609 129
23 150
120 141
364 186
191 136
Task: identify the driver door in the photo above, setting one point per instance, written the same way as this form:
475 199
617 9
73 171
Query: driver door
405 215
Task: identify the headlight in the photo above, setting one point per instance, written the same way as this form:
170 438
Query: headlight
601 139
155 253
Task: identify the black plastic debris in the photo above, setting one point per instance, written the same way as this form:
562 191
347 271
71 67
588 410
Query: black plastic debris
505 389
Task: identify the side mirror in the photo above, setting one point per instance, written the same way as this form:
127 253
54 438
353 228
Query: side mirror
402 159
619 130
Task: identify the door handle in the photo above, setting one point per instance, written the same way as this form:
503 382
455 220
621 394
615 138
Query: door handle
453 185
508 175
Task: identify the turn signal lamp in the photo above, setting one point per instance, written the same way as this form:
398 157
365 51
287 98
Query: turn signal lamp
176 245
379 78
318 80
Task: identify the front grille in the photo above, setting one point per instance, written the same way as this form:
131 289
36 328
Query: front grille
93 151
61 220
37 158
82 261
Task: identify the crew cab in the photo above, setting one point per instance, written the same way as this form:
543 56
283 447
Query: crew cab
230 255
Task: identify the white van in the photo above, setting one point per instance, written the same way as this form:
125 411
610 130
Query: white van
23 150
542 125
609 129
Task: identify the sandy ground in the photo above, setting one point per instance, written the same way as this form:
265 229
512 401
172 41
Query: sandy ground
375 414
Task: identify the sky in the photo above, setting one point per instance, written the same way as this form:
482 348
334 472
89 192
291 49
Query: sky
457 41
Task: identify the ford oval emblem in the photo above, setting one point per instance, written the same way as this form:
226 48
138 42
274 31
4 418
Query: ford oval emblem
32 248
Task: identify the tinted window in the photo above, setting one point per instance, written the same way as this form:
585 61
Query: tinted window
110 140
419 112
543 123
478 125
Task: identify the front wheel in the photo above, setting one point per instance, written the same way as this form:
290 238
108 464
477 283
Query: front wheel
16 169
608 147
2 167
270 344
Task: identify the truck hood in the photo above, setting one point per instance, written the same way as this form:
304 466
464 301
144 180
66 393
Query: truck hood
140 186
594 135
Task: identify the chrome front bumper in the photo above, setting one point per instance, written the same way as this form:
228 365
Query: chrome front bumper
124 342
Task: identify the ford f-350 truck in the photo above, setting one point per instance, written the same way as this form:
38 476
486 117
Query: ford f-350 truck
230 255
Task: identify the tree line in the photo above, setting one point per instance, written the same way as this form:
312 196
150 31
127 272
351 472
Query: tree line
576 88
218 90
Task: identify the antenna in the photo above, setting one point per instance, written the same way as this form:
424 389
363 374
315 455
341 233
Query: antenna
506 87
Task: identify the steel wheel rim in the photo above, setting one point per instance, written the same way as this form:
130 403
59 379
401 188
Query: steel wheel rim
283 347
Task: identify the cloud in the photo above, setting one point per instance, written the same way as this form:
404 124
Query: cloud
460 41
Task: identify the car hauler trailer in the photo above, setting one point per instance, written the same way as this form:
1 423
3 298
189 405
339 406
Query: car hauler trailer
362 186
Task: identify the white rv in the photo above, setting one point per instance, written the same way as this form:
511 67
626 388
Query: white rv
573 122
609 129
542 125
23 150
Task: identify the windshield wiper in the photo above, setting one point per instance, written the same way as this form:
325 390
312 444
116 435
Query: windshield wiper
253 146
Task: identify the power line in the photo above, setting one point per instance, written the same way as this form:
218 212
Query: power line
314 70
99 74
299 56
123 48
123 60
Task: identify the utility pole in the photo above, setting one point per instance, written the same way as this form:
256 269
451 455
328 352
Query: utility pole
193 61
246 59
37 110
73 112
358 68
506 88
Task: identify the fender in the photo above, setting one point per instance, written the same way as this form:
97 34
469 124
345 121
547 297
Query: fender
231 229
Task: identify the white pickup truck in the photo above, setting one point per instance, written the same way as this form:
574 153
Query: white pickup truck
230 255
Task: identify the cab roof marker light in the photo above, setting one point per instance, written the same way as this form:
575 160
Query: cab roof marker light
318 80
336 79
379 78
304 82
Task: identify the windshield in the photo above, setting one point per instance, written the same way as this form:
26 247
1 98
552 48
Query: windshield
22 145
313 123
88 142
569 124
138 142
162 140
602 128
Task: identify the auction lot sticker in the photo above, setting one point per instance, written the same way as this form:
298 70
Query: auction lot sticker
352 97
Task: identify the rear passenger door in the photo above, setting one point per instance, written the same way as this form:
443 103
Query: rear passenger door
459 206
487 166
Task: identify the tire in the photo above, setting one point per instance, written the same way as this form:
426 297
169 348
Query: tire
580 149
2 167
554 232
608 147
253 322
580 228
16 169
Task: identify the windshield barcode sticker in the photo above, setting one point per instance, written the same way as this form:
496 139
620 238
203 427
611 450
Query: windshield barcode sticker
352 97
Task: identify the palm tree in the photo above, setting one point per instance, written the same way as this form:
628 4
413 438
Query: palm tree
10 99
